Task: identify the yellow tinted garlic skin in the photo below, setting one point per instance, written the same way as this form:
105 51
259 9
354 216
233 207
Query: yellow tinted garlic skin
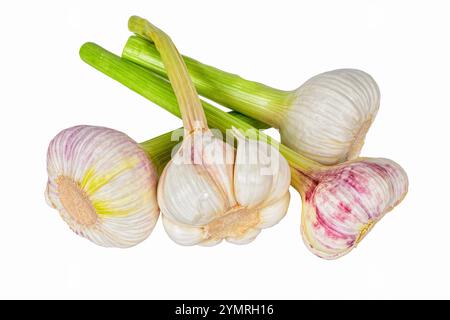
103 185
219 193
330 114
341 205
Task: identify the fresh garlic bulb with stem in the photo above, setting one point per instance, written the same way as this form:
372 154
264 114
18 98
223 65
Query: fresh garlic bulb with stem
209 191
341 226
325 119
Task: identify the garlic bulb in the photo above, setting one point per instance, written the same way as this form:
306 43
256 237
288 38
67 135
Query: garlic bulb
325 119
103 185
209 191
218 193
330 114
342 204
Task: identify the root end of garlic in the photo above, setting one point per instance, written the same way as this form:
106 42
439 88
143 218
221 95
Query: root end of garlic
364 231
76 202
235 223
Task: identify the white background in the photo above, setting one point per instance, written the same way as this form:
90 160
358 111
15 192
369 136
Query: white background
45 87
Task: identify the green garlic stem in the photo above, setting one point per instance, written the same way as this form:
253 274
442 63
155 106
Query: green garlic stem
250 98
189 103
160 92
251 121
159 150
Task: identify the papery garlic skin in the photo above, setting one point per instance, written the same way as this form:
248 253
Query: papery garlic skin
329 115
342 205
225 194
103 185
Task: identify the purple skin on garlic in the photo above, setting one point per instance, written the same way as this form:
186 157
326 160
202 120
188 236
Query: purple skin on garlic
343 203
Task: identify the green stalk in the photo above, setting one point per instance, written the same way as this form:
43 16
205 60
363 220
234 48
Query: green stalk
153 88
251 98
159 150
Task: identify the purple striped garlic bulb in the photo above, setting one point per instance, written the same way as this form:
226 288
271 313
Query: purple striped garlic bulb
341 205
103 185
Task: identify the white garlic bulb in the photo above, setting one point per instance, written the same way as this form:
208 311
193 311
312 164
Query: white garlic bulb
342 204
329 115
103 185
325 119
208 191
218 193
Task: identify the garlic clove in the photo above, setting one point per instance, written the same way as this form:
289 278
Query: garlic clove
253 180
330 115
103 185
261 175
215 151
272 214
281 182
345 202
245 238
194 190
183 234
